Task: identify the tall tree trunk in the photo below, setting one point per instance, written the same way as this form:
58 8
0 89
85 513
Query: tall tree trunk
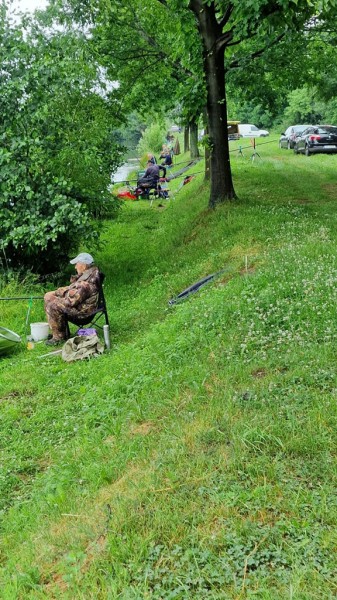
194 138
207 152
222 188
186 138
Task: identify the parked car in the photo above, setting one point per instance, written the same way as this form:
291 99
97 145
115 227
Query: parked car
315 139
287 139
233 130
250 131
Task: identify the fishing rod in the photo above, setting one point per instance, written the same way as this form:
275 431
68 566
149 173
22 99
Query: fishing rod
136 157
245 147
126 181
193 289
169 177
188 175
183 162
25 298
187 161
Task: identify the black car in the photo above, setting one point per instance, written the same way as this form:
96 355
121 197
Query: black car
317 138
287 139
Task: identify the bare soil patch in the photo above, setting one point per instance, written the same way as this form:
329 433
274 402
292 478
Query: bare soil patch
330 189
142 429
259 373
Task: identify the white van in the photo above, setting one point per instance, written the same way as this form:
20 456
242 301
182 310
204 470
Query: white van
250 131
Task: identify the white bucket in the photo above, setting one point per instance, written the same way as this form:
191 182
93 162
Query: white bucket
39 331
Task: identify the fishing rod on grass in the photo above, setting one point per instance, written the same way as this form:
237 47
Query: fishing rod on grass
30 298
193 289
25 298
127 181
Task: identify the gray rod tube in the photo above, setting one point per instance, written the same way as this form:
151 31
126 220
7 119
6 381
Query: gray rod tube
106 334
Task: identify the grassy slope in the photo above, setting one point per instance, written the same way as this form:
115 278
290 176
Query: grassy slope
210 428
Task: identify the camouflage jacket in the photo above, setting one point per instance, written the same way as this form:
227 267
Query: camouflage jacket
82 291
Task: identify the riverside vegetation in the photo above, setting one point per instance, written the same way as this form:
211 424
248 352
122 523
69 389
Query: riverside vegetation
197 459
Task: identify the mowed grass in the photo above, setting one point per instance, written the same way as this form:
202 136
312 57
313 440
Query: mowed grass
197 459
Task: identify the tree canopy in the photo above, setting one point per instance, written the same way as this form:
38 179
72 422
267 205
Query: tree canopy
199 43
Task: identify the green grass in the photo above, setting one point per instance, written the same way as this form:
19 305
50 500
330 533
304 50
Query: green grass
209 429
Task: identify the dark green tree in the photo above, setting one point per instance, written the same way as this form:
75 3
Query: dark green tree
57 148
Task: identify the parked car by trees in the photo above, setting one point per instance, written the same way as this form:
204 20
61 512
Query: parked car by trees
317 139
232 128
250 131
287 139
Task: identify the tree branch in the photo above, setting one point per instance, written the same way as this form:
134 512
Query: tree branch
249 37
140 72
236 63
224 39
136 56
154 44
227 15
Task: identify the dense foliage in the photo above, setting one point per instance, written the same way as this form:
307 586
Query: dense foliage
292 82
152 138
57 148
130 132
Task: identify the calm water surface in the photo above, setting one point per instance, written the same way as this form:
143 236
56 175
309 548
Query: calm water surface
122 172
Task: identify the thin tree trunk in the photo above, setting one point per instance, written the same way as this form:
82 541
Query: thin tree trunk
222 188
194 138
186 138
207 152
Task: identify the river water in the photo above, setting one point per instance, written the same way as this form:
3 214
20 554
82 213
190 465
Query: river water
123 171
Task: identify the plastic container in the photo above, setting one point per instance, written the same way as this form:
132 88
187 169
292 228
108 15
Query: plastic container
39 331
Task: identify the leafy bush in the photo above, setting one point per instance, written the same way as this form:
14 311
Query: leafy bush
57 147
152 138
47 229
303 108
250 112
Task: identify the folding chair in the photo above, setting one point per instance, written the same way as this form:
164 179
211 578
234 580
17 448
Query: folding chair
93 317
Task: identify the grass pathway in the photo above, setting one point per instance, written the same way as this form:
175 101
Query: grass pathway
197 459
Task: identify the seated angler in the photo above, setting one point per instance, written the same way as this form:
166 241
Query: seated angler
168 160
163 152
77 299
150 178
152 171
152 159
151 175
